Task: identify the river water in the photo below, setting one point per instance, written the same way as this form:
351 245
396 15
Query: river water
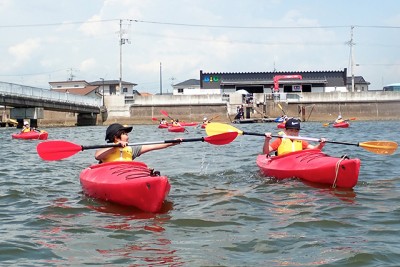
220 211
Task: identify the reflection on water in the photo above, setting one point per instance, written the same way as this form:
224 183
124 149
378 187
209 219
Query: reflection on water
220 210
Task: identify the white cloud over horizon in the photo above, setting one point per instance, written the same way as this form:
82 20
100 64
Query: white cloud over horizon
40 43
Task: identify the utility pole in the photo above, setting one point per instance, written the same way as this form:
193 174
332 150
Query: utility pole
103 90
122 41
172 83
160 79
351 44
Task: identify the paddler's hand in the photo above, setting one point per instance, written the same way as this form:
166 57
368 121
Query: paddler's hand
177 143
122 143
322 143
268 136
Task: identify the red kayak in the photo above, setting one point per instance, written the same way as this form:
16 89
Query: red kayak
312 165
188 123
163 126
42 135
343 124
281 125
176 129
128 183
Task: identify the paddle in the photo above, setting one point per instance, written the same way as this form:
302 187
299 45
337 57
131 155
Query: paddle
279 105
154 119
213 118
329 123
59 149
377 147
166 114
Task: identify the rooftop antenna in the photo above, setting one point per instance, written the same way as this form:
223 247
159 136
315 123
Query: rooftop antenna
71 75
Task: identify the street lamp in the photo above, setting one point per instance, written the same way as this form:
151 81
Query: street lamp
103 90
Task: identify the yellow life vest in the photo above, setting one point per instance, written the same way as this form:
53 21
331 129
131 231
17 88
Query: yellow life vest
26 130
120 154
288 145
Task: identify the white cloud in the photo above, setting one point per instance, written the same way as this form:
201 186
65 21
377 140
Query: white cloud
87 65
24 51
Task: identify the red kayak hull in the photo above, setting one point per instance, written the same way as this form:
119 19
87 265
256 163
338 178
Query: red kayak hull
163 126
313 166
344 124
42 135
188 123
281 125
127 183
176 129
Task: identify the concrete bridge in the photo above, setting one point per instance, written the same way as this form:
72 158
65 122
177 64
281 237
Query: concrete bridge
29 102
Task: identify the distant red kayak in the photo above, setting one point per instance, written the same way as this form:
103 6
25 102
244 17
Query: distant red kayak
176 129
128 183
188 123
281 125
344 124
163 126
42 135
312 165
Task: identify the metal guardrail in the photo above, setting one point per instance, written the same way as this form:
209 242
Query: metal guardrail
39 93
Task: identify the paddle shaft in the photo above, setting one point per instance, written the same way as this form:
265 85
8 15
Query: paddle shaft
302 138
146 143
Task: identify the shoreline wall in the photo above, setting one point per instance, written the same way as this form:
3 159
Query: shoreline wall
307 106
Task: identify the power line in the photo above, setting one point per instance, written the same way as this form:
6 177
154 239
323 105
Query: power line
55 24
198 25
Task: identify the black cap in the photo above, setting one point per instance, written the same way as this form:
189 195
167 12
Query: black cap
292 124
113 129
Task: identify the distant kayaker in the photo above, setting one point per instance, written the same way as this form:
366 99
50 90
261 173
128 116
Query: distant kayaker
163 121
118 134
285 145
26 128
339 119
176 123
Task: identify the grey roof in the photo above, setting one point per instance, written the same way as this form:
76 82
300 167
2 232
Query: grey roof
190 82
357 80
111 82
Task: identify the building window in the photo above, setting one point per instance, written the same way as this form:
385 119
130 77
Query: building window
125 90
180 90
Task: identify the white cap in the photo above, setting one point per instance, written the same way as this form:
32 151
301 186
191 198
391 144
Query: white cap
205 118
26 123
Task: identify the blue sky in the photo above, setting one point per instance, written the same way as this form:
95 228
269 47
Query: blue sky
47 40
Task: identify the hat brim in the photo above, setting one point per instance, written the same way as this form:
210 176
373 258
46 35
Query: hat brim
126 129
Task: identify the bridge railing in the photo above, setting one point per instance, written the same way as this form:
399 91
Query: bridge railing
40 93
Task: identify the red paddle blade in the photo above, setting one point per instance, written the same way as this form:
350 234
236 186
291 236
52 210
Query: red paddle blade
164 113
56 150
221 139
154 119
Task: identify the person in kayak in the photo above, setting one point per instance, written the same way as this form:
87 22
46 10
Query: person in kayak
118 134
285 145
26 128
339 119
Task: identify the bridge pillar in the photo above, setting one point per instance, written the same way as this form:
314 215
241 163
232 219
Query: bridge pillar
86 119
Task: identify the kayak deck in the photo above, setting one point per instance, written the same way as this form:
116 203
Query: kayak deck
313 166
127 183
34 135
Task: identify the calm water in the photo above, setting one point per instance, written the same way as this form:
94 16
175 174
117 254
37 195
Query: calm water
220 212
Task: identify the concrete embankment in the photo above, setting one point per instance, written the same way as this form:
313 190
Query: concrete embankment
223 108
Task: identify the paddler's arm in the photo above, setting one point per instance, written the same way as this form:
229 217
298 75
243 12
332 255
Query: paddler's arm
147 148
102 153
321 144
267 148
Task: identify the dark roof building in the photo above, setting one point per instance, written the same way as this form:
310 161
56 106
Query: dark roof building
266 82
